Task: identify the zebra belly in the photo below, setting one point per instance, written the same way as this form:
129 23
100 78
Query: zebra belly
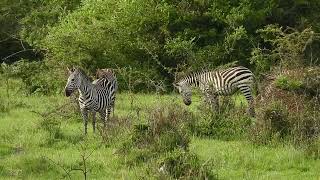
226 91
90 105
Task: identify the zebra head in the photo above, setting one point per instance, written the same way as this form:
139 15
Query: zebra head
185 91
73 82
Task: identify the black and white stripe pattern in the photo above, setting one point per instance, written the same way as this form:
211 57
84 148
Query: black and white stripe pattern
218 82
92 97
107 80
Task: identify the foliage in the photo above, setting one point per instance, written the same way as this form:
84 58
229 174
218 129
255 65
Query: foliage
287 47
36 76
157 38
166 130
163 145
183 165
285 83
311 81
288 110
228 122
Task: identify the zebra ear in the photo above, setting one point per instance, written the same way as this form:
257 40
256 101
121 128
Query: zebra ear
70 70
175 85
98 73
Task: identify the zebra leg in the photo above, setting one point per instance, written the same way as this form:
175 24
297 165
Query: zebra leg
94 121
214 101
84 113
113 109
251 108
108 111
246 90
103 116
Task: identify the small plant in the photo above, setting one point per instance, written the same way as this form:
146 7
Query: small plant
166 130
312 149
272 124
311 82
180 164
228 122
285 83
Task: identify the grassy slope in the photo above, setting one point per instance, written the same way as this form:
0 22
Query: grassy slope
24 153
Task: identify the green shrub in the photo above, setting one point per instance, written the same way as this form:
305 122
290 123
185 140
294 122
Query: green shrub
37 77
3 105
180 164
311 82
228 122
312 149
167 129
164 140
277 117
285 83
278 122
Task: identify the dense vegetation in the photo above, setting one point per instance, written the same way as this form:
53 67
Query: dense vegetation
150 40
149 44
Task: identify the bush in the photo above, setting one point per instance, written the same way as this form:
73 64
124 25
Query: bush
311 82
164 141
167 129
285 83
228 122
288 109
37 77
179 164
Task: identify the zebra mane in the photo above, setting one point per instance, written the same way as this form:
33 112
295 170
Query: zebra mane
205 70
84 75
192 74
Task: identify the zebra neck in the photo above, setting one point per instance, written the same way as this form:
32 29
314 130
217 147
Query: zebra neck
85 88
193 80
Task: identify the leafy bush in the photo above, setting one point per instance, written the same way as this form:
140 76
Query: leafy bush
311 82
285 47
288 110
37 77
180 164
285 83
166 130
228 122
163 143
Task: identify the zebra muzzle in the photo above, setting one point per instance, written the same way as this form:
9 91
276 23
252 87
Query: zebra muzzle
68 93
187 102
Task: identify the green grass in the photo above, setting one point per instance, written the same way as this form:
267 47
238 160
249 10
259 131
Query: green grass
25 152
242 160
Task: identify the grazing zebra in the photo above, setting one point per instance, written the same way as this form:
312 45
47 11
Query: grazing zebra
218 82
92 97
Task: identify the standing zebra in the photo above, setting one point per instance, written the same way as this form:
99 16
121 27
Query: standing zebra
108 74
218 82
95 97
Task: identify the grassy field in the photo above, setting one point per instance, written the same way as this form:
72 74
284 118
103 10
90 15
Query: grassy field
28 151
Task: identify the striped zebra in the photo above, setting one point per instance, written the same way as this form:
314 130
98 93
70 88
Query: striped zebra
92 97
111 77
218 82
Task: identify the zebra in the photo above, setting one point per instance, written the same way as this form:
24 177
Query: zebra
218 82
111 77
92 97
